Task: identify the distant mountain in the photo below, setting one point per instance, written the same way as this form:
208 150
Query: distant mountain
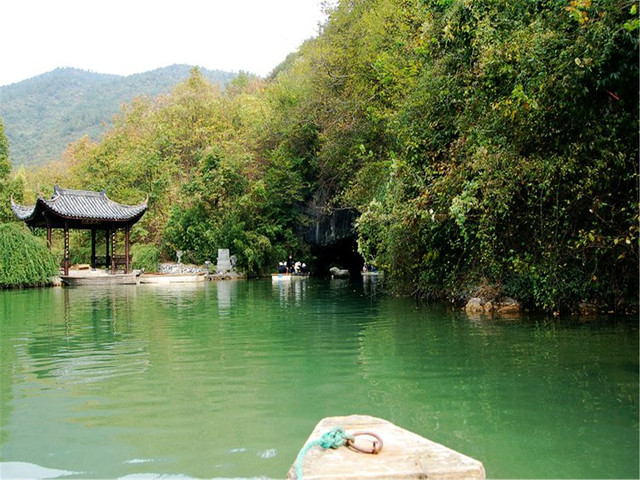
43 114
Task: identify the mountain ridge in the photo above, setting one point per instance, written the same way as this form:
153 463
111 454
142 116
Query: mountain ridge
43 114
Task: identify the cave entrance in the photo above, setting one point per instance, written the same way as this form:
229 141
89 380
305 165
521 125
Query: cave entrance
342 254
333 242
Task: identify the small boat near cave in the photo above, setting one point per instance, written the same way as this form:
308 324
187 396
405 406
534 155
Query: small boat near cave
287 277
370 274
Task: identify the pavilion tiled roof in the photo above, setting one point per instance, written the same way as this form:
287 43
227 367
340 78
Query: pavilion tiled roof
21 211
78 205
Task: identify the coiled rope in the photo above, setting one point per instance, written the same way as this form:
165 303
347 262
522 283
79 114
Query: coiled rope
334 438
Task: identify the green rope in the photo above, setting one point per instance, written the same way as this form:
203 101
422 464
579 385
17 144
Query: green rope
334 438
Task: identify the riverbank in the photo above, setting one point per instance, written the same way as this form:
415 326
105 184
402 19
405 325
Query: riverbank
480 302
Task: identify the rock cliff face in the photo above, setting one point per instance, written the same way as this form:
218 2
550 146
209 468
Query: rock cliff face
332 238
328 229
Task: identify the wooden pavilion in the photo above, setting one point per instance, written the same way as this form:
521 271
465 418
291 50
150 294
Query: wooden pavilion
84 210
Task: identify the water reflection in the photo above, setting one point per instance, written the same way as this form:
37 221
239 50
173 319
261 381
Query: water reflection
176 296
370 285
223 293
87 343
291 291
185 380
340 286
106 306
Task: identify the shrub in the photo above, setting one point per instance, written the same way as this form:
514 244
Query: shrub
24 259
146 257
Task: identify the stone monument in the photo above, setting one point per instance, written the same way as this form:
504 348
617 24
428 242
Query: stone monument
223 264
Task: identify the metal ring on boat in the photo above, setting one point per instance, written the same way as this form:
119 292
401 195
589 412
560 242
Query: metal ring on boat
376 444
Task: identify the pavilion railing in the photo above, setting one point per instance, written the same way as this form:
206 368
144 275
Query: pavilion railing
106 261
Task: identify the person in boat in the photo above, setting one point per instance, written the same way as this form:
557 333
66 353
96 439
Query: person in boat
369 267
282 267
303 269
290 264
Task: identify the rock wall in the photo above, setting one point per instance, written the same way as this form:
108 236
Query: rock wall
327 229
506 306
180 268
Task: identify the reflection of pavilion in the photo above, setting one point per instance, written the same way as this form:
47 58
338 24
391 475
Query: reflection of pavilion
84 210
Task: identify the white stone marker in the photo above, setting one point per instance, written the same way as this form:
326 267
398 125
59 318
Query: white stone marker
223 264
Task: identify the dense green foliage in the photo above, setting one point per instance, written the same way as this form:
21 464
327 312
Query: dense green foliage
9 185
516 156
486 144
44 114
145 257
25 260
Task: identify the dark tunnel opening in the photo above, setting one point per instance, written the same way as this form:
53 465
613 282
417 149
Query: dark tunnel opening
342 254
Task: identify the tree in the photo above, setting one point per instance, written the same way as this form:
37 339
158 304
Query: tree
25 260
517 155
5 165
8 186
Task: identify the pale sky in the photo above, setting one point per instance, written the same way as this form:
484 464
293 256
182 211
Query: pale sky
132 36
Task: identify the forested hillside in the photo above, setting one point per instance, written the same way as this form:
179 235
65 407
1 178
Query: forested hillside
42 115
487 145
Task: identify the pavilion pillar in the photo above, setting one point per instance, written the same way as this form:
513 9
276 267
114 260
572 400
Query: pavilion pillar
65 261
127 229
48 233
93 248
113 250
107 259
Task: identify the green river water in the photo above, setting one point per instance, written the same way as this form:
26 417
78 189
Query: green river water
227 380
